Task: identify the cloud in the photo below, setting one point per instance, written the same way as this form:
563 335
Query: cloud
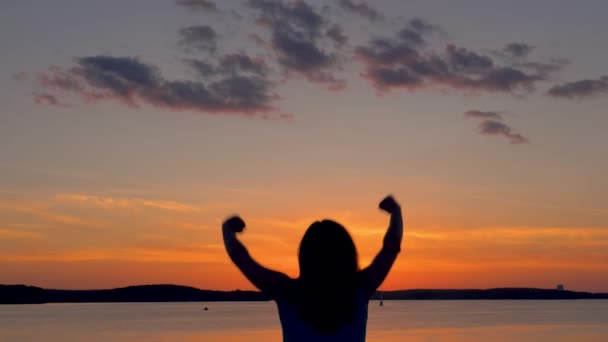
44 211
230 64
517 50
201 38
297 33
127 203
301 16
414 31
482 115
6 234
580 89
517 55
497 128
57 78
544 69
362 9
491 125
337 35
386 52
203 68
404 61
466 62
204 5
133 82
239 62
423 27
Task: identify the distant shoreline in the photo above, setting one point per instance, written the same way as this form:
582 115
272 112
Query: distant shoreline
22 294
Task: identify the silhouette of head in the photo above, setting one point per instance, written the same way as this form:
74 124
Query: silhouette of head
326 252
327 286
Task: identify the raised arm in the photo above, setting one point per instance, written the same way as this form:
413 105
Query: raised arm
376 272
268 281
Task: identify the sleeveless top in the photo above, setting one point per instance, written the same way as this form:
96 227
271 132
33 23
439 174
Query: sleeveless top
295 330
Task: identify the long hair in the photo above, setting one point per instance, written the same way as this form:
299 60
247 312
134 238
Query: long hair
325 292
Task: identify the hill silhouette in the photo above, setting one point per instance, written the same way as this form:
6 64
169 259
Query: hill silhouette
22 294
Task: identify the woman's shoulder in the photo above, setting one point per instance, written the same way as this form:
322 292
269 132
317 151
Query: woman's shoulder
285 288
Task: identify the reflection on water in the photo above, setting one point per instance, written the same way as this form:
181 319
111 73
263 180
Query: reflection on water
410 321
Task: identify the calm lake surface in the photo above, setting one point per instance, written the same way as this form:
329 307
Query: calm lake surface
453 321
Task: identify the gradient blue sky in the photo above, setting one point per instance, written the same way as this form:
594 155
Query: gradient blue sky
92 192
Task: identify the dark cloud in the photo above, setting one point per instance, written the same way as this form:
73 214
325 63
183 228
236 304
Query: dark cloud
386 78
415 31
402 50
516 55
362 9
230 64
482 115
386 52
580 89
517 50
304 19
337 35
422 26
299 54
238 62
404 62
411 37
501 79
133 82
497 128
544 69
204 69
463 61
205 5
202 38
297 34
491 125
120 75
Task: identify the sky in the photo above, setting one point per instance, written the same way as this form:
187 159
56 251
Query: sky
129 130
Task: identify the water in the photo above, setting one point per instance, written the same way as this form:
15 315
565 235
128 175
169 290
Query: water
409 321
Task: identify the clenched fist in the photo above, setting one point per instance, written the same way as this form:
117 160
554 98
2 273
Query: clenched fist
389 204
234 224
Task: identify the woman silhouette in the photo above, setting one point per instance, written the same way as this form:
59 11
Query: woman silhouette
328 301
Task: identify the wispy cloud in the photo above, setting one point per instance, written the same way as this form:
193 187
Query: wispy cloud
129 203
482 114
337 35
586 88
133 82
361 8
200 38
517 50
491 125
203 5
44 211
405 61
9 234
229 65
497 128
297 32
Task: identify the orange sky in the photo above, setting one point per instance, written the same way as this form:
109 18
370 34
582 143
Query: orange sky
70 240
